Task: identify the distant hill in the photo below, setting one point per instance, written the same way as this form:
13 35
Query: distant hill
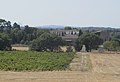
51 27
99 28
90 29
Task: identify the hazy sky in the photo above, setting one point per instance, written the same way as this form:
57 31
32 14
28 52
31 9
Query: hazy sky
62 12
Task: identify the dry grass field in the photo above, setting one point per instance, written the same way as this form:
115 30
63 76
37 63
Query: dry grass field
106 63
86 67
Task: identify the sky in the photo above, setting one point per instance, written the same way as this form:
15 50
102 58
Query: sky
62 12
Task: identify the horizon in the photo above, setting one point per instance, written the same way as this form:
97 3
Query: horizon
77 13
79 26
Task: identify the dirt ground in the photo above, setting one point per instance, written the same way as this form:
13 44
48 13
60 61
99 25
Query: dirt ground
105 68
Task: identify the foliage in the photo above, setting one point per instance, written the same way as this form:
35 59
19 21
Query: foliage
5 26
80 32
24 36
118 36
15 25
115 34
78 45
4 42
46 42
107 45
20 35
68 28
113 45
34 61
90 40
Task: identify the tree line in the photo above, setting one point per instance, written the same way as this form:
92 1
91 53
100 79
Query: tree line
43 40
37 39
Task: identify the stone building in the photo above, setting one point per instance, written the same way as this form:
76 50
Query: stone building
68 35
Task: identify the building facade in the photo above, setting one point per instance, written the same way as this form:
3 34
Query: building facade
69 36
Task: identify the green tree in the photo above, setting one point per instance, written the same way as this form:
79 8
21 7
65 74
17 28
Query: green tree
2 22
90 40
112 45
107 45
78 45
5 26
46 42
15 25
16 35
4 42
19 34
80 32
68 28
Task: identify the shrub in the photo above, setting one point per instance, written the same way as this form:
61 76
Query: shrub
111 45
46 42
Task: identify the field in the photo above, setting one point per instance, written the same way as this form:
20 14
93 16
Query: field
106 63
34 61
85 67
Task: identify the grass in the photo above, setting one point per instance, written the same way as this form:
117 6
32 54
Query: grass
86 64
89 63
34 61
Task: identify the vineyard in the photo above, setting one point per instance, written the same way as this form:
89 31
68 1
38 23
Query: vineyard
34 61
85 67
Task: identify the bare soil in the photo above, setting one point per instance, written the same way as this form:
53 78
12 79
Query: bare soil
105 68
